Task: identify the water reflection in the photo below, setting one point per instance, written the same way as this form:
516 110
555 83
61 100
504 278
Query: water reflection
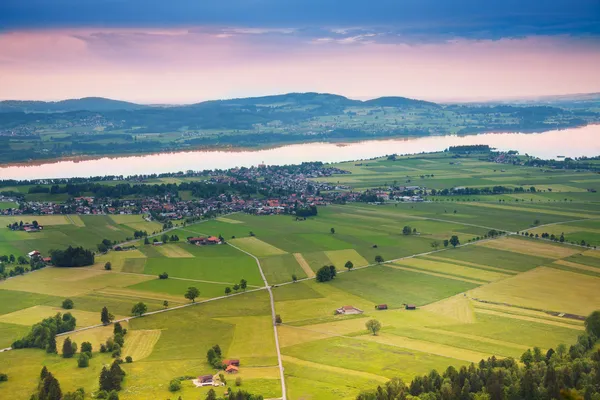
575 142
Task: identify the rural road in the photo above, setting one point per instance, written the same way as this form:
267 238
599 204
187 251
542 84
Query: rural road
273 315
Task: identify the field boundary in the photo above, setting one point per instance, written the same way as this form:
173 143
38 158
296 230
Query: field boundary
304 265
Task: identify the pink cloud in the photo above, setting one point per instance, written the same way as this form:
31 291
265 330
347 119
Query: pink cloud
188 65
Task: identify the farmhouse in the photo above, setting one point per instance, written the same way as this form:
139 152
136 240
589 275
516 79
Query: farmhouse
32 228
381 307
232 369
205 380
233 362
348 310
33 253
199 241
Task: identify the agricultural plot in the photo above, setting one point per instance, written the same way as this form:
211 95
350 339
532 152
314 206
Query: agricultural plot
174 251
280 268
453 269
228 266
537 289
256 247
531 247
70 281
35 314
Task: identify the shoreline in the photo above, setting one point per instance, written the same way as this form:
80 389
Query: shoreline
341 142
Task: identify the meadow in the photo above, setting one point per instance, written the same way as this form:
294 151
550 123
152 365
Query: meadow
492 297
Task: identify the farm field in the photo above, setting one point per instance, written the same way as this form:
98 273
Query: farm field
486 297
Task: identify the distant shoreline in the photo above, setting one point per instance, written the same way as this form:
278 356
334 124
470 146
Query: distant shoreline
260 147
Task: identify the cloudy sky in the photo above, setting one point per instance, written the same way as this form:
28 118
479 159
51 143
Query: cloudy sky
183 51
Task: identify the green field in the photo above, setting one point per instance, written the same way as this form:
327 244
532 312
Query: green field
485 298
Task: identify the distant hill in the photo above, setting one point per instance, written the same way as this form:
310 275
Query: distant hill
309 98
399 102
84 104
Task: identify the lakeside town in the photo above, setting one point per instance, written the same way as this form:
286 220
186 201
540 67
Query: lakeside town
260 190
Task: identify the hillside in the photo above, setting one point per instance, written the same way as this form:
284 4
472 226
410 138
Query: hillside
84 104
98 126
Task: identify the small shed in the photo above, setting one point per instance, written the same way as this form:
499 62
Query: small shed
410 307
381 307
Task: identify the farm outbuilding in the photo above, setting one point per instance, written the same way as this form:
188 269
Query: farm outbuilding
410 307
348 310
381 307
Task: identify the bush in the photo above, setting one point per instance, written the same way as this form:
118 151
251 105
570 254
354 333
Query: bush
83 361
175 385
3 377
164 275
128 359
238 381
68 304
86 347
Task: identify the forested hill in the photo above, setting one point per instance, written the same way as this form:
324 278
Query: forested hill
86 103
309 99
98 126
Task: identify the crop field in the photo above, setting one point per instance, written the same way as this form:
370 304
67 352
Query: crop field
493 297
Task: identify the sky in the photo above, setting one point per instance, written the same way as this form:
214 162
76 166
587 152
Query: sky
185 51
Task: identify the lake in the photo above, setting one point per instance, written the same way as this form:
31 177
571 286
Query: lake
575 142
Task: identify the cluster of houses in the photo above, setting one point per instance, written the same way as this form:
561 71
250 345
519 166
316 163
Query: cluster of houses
201 240
232 366
35 253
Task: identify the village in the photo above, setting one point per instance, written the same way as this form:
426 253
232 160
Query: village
275 190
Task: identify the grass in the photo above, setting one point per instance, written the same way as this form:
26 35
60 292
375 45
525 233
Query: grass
394 287
531 247
70 281
177 288
280 268
516 331
340 257
23 368
7 204
308 380
139 344
216 263
538 289
12 300
494 257
35 314
11 332
174 251
256 247
452 269
373 358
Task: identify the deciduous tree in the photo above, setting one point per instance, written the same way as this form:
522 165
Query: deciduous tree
192 293
349 265
373 326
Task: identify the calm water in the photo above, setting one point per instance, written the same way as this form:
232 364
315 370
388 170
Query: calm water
575 142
